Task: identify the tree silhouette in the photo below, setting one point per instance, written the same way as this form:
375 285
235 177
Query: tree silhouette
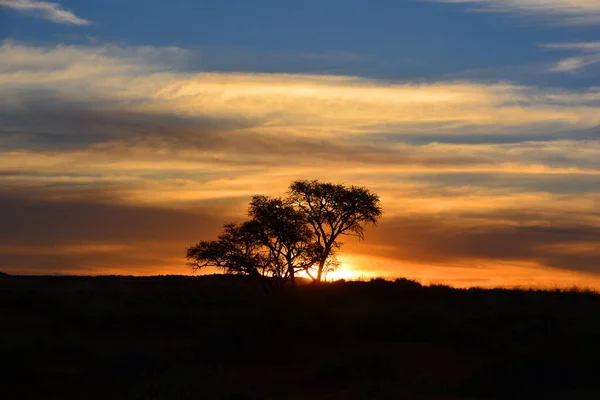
333 210
236 251
287 235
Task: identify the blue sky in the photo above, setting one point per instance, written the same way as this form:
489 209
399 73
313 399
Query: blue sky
389 39
131 129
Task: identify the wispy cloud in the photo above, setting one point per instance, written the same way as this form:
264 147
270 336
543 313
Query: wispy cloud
292 103
47 10
588 55
568 11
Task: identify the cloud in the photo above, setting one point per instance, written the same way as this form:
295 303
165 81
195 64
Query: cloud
116 158
45 139
123 113
138 79
47 10
568 11
461 239
589 54
584 46
90 232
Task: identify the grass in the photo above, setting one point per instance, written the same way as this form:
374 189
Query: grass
222 337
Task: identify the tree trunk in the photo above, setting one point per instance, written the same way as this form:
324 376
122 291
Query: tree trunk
320 270
324 258
291 272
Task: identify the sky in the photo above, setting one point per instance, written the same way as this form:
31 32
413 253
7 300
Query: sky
130 130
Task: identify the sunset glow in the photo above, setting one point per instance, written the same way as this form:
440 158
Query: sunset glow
116 153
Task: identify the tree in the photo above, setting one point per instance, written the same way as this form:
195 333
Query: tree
236 251
276 243
285 235
333 210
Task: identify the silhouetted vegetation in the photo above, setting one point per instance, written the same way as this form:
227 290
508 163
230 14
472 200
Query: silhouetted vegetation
222 337
287 235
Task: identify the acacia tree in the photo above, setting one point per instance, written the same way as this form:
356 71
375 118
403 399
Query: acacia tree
236 251
275 243
285 235
333 210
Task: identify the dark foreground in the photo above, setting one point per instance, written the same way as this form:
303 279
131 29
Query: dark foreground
219 337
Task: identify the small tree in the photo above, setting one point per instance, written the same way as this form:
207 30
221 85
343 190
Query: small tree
285 235
236 251
275 243
333 210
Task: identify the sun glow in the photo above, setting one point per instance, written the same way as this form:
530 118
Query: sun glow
347 270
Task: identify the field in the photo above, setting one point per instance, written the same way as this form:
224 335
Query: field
222 337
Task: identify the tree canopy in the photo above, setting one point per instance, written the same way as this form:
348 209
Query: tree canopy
292 234
333 210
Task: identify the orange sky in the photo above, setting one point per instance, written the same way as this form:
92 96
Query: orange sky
121 177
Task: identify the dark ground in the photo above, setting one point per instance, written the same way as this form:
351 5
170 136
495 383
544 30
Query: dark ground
219 337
